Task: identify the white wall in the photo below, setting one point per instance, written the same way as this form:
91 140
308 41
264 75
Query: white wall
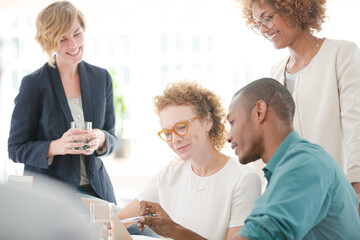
129 35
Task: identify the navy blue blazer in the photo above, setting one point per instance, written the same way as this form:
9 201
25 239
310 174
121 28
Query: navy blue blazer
42 114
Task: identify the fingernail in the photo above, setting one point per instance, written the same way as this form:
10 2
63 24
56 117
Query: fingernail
141 219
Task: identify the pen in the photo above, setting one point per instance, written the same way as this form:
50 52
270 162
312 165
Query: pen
135 219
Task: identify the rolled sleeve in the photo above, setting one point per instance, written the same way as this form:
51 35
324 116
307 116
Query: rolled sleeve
254 231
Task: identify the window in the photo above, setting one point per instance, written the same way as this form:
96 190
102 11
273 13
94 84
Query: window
164 43
195 43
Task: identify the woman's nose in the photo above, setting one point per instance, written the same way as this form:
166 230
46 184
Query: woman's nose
263 29
72 42
175 137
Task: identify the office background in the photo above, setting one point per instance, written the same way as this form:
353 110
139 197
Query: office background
146 44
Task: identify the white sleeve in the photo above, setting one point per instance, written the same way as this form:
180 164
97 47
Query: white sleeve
348 77
247 190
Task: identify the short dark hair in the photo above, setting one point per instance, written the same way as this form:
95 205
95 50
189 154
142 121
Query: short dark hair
273 93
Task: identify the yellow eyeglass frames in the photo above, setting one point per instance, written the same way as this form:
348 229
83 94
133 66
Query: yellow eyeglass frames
180 129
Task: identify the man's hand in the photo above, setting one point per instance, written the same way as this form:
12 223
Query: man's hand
162 223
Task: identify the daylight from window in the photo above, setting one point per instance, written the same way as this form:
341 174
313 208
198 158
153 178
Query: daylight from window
145 45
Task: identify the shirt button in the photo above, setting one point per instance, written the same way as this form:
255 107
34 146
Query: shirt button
78 115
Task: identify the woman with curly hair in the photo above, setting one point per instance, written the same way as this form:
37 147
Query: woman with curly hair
204 192
323 76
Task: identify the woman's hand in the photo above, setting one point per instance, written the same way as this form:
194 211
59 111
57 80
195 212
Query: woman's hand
69 143
97 141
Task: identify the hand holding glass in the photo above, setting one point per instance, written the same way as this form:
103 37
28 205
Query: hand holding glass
84 126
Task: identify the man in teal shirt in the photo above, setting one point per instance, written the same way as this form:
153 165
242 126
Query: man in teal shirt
307 196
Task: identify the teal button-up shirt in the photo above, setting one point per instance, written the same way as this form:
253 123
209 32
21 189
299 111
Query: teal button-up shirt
307 197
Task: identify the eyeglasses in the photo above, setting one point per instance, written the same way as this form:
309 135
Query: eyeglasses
180 129
265 22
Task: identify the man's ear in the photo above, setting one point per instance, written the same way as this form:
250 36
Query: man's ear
261 110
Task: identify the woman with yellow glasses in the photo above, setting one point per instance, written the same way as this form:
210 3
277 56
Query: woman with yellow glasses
204 191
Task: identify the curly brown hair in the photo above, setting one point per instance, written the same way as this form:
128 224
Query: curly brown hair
202 100
303 14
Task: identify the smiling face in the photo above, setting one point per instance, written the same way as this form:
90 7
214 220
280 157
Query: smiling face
243 137
197 138
282 35
71 46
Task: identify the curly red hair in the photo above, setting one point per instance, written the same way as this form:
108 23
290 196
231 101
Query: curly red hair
303 14
202 100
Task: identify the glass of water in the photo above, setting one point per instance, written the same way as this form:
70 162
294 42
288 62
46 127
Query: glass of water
85 126
102 221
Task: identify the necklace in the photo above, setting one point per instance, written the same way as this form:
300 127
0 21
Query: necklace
200 183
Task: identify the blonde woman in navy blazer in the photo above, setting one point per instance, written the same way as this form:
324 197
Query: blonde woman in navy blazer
40 135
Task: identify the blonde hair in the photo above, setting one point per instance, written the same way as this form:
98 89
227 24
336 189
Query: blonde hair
53 22
202 100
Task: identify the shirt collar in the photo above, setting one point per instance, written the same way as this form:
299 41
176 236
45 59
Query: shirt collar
279 154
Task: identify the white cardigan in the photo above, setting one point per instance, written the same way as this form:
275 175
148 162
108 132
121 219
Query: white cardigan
327 99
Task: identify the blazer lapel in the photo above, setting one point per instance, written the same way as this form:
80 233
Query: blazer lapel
85 93
88 112
60 94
